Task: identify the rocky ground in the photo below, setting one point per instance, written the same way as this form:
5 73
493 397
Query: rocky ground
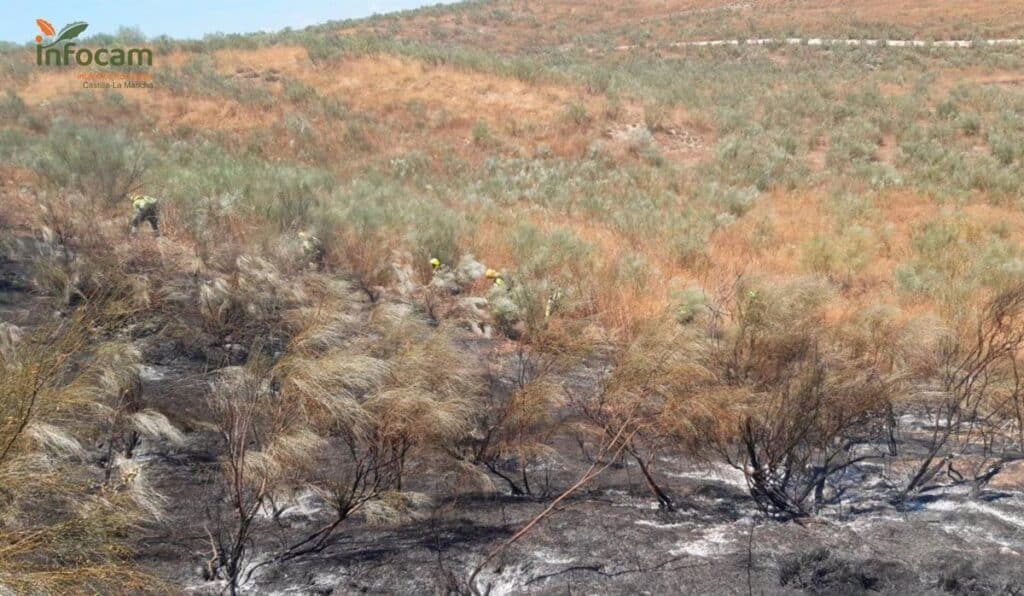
609 538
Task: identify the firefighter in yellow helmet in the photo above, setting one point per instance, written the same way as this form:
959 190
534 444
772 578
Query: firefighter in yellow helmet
496 277
145 209
312 248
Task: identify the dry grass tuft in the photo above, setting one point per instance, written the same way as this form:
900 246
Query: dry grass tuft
60 530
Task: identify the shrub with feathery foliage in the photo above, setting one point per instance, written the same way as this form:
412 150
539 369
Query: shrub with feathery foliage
63 529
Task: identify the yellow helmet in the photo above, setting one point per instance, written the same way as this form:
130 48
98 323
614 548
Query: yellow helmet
142 201
435 263
491 274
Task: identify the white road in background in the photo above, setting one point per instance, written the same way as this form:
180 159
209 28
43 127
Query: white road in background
816 41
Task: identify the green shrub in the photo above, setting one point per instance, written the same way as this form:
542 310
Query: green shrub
576 113
952 259
13 145
756 158
482 134
357 137
969 123
208 183
853 144
947 110
656 116
12 107
1005 139
104 164
436 233
841 255
555 255
300 93
730 199
631 270
688 242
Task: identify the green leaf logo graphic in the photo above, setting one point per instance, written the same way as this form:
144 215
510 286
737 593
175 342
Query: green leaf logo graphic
70 32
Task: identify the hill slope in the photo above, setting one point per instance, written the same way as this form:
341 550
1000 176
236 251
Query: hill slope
765 259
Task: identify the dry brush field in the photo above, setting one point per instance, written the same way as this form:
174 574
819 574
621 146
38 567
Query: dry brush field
753 321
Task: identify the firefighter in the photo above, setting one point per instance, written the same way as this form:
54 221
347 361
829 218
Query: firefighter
443 278
312 248
146 209
497 278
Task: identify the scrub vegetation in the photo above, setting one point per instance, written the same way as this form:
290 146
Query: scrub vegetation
783 260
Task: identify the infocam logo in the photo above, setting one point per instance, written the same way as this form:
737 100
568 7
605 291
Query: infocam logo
55 48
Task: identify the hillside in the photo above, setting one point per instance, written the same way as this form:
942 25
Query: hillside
757 310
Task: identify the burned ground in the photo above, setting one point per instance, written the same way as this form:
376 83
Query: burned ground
608 538
776 289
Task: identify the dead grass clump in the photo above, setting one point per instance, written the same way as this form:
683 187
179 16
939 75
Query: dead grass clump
339 414
250 303
60 529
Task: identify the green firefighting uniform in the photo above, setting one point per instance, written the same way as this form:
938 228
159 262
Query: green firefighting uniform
146 209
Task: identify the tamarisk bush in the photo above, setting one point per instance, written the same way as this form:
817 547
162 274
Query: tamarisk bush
794 406
976 397
650 388
340 413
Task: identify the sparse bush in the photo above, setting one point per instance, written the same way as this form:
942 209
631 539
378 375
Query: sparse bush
978 394
794 410
576 113
840 256
482 134
116 389
265 445
340 412
104 165
513 428
755 158
648 391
